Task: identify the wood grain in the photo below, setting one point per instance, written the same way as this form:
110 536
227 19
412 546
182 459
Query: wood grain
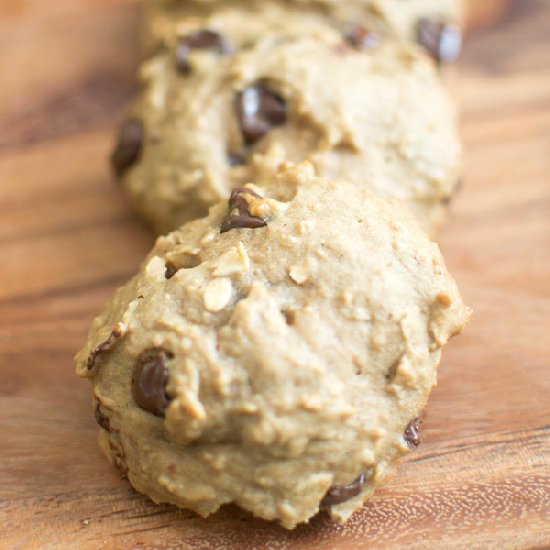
481 478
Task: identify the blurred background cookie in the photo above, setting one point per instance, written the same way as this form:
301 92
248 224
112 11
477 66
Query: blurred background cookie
377 115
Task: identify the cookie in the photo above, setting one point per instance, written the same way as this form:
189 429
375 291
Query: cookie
375 116
433 23
276 354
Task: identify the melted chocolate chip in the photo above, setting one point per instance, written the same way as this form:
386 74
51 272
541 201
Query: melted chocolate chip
103 347
239 216
342 493
412 433
150 379
361 38
129 146
199 40
97 351
442 40
102 420
259 111
184 261
289 316
171 270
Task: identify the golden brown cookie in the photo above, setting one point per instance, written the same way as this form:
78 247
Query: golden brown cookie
275 354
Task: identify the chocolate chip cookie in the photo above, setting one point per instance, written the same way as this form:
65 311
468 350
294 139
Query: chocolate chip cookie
374 113
276 354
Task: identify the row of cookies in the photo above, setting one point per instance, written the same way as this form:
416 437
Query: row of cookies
277 352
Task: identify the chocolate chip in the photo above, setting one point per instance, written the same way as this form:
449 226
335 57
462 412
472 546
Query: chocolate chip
129 146
239 216
259 111
150 379
98 350
412 433
361 38
337 495
290 316
102 420
442 40
171 270
103 347
184 261
235 160
203 39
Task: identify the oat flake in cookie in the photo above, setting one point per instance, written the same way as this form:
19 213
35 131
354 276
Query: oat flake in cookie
280 365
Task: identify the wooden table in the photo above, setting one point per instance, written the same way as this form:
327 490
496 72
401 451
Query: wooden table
481 479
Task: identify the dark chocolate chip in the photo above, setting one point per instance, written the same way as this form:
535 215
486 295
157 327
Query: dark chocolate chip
97 351
235 160
290 316
442 40
171 270
412 433
103 347
102 420
184 261
259 111
150 379
342 493
239 217
206 39
361 38
129 146
203 39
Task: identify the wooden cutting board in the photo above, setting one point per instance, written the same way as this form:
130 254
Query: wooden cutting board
481 478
